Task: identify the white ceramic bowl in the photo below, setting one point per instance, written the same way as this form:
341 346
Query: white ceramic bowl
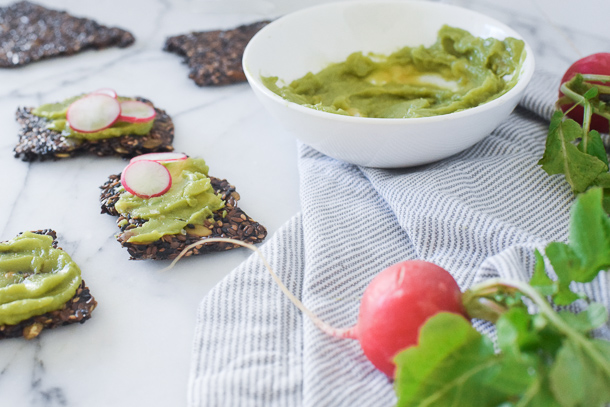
310 39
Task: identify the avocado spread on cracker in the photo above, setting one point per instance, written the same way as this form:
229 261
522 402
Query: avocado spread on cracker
191 200
35 277
56 113
458 72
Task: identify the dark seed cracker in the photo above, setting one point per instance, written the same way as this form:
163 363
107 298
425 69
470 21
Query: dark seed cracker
29 32
235 224
38 142
214 57
77 309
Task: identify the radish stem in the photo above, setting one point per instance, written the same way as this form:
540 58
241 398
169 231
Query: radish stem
580 100
596 78
572 95
323 326
586 123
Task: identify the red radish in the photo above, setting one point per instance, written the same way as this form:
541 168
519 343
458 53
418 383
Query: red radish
93 113
394 306
597 64
134 111
146 179
107 91
397 302
161 157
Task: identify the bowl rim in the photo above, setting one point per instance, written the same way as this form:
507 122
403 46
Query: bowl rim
528 69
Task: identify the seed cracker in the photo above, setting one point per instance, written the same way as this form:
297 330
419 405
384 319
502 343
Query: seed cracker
214 57
36 141
235 224
29 32
77 309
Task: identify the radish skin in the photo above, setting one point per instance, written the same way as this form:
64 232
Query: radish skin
160 157
397 302
394 306
134 111
107 91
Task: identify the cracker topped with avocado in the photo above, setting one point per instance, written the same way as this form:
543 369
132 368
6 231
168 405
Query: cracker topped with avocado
40 286
100 123
166 201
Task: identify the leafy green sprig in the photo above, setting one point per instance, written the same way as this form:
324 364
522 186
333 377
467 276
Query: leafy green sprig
545 358
572 148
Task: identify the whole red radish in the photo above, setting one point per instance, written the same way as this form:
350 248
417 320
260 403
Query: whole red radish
397 302
596 64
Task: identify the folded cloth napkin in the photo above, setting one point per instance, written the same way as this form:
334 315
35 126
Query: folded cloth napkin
478 214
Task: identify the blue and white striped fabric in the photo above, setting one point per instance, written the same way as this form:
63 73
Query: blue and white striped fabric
478 214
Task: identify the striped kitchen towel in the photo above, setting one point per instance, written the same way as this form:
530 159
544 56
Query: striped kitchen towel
478 214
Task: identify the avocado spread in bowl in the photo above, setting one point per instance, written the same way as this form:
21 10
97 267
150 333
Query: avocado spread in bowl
388 83
35 277
56 114
190 201
457 72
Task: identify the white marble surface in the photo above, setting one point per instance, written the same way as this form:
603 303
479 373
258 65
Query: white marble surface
135 351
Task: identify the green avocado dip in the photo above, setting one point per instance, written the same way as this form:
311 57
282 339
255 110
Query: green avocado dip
190 201
35 278
56 113
458 72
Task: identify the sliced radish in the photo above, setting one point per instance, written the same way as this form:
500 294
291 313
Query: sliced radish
93 113
133 111
106 91
160 157
146 179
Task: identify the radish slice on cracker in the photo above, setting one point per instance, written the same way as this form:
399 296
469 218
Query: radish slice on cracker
146 179
160 157
106 91
133 111
93 113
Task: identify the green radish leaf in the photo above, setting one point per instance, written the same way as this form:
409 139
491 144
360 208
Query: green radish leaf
538 395
566 265
588 251
563 157
590 235
580 379
453 364
603 180
591 93
592 144
522 335
516 330
593 317
540 280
